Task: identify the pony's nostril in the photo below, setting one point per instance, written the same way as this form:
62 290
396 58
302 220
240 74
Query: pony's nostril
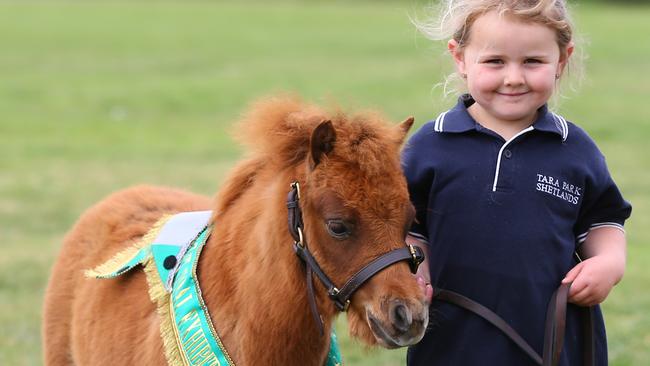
401 317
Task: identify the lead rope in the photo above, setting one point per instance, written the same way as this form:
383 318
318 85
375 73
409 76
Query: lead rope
554 327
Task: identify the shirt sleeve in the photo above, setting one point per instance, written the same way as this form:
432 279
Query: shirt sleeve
419 174
603 203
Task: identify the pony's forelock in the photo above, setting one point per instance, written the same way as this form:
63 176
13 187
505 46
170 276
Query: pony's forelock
278 129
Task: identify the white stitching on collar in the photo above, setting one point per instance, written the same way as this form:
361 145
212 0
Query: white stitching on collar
440 122
561 125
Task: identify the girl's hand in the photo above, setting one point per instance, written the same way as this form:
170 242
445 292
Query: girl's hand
426 288
593 279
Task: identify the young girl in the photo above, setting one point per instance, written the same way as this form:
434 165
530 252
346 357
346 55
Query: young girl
506 192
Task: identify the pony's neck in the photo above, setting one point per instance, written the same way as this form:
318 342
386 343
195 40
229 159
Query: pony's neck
254 285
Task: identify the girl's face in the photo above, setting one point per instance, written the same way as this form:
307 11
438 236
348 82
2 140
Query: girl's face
510 66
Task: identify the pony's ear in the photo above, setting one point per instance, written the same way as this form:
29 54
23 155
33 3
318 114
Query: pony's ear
321 142
404 128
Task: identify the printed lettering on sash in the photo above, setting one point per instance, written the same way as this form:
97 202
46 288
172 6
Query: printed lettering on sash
559 188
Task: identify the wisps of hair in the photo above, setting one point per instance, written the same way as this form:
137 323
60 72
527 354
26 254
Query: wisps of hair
453 19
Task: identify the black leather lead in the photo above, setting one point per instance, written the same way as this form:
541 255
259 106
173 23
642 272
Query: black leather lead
488 315
554 327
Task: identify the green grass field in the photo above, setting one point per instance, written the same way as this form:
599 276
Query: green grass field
97 96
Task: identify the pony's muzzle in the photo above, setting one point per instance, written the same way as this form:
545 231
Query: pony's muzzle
404 323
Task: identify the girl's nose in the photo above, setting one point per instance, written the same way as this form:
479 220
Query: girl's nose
514 76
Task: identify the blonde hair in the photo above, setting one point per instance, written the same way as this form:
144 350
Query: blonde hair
455 18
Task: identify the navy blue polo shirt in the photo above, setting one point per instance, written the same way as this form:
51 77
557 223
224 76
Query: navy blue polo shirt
503 220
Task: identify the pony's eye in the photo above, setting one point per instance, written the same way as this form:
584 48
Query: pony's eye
338 229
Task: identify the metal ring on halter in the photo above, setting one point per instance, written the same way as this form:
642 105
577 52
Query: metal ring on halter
296 185
300 242
346 306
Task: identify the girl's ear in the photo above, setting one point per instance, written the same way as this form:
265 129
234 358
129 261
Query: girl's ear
458 55
564 57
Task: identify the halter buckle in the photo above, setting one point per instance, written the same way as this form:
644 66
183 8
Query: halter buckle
416 258
334 293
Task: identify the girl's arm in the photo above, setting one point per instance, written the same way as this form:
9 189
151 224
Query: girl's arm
604 254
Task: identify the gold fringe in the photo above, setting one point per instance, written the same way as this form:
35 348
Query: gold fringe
114 264
161 298
121 258
157 292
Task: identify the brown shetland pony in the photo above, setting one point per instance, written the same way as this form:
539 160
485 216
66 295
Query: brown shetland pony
253 284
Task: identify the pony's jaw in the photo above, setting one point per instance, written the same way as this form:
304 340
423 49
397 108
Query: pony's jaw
403 324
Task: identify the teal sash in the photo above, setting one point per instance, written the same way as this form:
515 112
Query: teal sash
175 252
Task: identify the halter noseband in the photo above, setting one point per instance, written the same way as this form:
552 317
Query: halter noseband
340 296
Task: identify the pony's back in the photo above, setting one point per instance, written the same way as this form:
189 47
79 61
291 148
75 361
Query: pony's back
103 230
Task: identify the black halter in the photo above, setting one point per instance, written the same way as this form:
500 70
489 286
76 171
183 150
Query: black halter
340 296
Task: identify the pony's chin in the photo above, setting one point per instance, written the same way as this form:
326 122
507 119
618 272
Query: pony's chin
387 337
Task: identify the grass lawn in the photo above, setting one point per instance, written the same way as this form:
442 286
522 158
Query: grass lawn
98 96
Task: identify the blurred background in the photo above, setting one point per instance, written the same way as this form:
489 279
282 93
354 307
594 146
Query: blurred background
96 96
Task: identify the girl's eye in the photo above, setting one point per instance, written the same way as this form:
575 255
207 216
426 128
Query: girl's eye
338 229
495 61
533 61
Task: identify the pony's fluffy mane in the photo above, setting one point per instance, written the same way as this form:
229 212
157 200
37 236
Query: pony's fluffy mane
278 129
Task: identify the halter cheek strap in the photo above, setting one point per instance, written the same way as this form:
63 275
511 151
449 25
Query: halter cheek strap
340 296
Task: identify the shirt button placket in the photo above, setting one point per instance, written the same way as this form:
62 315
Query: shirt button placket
507 176
508 171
